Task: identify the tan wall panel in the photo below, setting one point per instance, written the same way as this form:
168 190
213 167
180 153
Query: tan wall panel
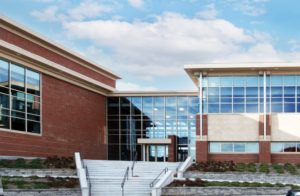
233 127
285 127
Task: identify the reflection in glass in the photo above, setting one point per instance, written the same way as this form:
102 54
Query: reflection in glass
33 82
4 73
17 77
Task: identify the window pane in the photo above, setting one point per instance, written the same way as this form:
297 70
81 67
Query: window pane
37 118
276 147
252 108
276 81
276 107
33 127
252 147
289 91
4 122
289 80
226 91
33 82
4 101
213 81
18 124
226 108
252 81
18 104
17 77
214 147
213 108
289 147
298 147
3 73
227 147
238 92
238 147
226 81
289 107
251 91
113 105
239 81
238 108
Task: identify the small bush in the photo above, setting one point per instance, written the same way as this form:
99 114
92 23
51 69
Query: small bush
20 163
251 167
264 168
241 167
213 166
36 164
278 168
290 168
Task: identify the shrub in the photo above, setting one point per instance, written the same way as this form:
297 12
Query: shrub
60 162
290 168
36 164
264 168
20 163
213 166
241 167
251 167
278 168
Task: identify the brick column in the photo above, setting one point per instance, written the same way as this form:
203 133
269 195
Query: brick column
201 144
264 144
172 149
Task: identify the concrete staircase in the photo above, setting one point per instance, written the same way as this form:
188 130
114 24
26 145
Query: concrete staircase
106 176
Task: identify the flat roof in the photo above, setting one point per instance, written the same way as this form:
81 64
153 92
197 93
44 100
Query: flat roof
251 67
7 21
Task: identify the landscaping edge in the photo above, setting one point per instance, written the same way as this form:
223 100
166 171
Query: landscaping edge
212 190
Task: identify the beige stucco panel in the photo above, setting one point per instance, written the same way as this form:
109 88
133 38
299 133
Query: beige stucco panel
285 127
233 127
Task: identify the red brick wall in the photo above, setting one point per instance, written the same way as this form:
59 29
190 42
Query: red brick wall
202 151
238 158
73 120
285 158
172 149
52 56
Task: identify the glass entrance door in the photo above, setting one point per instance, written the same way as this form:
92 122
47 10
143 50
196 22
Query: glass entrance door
157 153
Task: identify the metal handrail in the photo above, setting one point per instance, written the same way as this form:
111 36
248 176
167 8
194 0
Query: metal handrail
165 170
124 180
133 163
88 180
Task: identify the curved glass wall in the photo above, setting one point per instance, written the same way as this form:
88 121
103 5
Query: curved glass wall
130 118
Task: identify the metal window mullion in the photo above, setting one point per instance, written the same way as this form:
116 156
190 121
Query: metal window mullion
9 94
25 92
120 144
265 107
165 128
200 83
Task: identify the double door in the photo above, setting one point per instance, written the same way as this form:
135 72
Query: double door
155 153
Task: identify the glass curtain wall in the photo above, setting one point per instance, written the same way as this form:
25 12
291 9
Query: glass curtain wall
130 118
244 94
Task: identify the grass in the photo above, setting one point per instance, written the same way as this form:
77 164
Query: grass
49 162
278 168
290 168
35 182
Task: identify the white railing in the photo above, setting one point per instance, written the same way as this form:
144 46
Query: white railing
165 180
81 173
183 167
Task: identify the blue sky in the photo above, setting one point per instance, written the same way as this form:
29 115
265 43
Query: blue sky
148 41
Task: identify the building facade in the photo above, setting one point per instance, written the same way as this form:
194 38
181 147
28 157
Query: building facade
55 102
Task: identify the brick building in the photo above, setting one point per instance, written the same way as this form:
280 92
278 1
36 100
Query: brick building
56 102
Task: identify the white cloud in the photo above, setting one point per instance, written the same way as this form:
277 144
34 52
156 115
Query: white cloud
209 12
162 47
249 7
87 9
136 3
49 14
127 86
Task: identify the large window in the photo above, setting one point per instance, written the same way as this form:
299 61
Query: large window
281 147
233 147
245 94
130 118
19 98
